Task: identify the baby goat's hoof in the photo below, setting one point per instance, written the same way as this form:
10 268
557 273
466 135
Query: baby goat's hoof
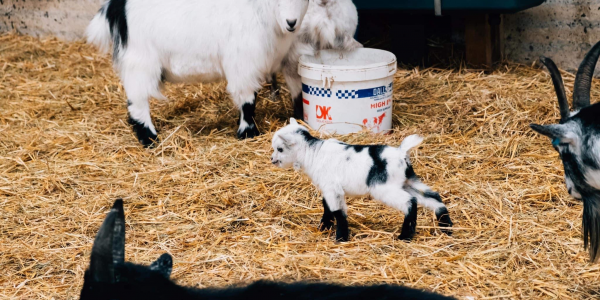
325 225
144 135
406 237
339 238
444 221
248 133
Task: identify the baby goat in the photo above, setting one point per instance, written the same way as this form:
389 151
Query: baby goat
577 140
187 41
328 24
338 169
110 277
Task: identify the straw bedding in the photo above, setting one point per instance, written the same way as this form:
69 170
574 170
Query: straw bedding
228 216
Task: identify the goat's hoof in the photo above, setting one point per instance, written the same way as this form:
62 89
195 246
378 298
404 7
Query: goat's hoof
341 237
406 237
144 135
445 222
325 225
443 225
248 133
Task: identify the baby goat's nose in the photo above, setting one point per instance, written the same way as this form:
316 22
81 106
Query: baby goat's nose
291 23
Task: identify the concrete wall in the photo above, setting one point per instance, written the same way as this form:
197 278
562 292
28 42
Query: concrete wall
63 18
561 29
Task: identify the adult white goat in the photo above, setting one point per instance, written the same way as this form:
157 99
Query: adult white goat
242 41
338 169
328 24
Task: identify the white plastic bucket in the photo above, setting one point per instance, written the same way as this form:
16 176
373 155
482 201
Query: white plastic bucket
344 92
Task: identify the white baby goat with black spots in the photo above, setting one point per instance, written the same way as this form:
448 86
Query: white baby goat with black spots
339 169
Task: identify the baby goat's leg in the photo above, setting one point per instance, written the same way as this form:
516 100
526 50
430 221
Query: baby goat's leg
327 219
141 81
430 199
401 200
336 203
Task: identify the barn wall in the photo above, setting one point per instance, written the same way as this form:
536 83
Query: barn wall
561 29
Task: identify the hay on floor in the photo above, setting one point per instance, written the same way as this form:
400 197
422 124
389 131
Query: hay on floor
226 215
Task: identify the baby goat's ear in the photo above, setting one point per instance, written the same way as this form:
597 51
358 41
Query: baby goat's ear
109 245
164 265
293 121
559 133
288 139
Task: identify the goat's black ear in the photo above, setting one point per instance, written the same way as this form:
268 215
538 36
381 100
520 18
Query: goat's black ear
583 79
109 245
559 133
164 265
559 88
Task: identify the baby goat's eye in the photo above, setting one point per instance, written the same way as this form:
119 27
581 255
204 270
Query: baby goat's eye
280 149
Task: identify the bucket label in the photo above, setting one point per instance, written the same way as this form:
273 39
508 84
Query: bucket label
348 110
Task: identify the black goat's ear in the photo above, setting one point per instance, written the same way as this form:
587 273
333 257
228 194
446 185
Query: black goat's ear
559 133
164 265
109 245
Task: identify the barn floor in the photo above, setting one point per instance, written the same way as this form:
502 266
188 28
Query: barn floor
227 216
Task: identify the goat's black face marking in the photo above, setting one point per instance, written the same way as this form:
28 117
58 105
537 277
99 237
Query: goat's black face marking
378 173
117 20
144 135
248 116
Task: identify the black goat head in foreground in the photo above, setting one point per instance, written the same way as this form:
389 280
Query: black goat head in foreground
109 277
577 140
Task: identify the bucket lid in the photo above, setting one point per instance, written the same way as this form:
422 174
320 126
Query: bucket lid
358 65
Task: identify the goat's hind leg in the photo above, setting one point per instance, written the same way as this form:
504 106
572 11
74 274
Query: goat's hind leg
400 199
430 199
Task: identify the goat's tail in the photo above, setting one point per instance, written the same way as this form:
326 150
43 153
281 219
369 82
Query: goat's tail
410 142
98 31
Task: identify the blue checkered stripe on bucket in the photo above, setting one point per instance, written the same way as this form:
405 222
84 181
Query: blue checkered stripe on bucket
316 91
347 94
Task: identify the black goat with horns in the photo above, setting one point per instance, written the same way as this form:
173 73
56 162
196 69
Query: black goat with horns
577 140
110 277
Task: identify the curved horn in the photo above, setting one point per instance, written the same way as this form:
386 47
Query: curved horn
583 80
563 103
109 245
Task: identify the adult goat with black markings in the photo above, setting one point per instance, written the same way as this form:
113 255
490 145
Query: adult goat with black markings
242 41
110 277
577 140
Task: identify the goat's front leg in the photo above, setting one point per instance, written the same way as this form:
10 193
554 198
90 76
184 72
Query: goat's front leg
327 219
247 127
337 205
